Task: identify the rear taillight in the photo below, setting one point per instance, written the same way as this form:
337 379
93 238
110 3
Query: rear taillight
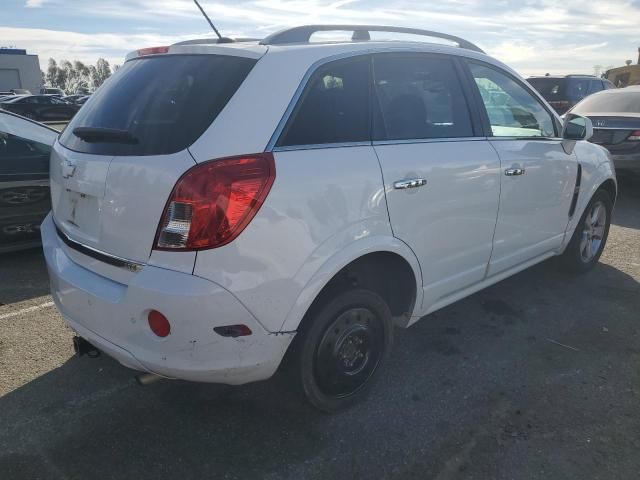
634 136
152 51
214 201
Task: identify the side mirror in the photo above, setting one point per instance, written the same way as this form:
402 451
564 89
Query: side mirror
577 128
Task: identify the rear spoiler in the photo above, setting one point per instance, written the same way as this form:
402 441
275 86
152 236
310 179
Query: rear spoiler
208 46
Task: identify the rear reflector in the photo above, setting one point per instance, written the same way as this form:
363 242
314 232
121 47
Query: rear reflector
158 323
214 201
233 331
634 135
152 51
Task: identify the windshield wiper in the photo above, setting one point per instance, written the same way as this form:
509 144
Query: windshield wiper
104 135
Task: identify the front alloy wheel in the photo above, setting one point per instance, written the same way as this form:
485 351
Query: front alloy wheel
593 230
590 236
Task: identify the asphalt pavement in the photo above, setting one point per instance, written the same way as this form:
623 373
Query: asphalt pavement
537 377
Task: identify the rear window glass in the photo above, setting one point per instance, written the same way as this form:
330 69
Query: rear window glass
163 103
616 101
560 89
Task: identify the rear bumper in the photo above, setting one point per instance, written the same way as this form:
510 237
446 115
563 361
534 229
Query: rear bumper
113 317
629 162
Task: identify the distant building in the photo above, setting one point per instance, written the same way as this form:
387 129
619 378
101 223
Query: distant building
19 70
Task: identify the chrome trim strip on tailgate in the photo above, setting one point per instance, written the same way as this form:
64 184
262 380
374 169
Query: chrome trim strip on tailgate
98 255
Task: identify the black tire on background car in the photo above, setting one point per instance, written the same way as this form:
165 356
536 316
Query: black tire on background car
590 235
339 348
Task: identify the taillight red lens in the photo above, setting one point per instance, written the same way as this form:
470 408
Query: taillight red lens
214 201
158 323
152 51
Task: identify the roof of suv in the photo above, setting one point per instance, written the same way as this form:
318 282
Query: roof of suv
298 39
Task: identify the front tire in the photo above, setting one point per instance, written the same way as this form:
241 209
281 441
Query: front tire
590 235
341 345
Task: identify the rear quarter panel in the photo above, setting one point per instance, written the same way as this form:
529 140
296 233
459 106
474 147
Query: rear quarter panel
323 202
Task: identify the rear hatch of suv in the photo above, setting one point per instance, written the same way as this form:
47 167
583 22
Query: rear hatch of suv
116 163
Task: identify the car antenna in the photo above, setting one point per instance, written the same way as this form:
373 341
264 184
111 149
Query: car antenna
221 39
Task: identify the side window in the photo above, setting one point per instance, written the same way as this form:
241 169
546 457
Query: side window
334 108
21 155
595 86
512 110
14 146
419 97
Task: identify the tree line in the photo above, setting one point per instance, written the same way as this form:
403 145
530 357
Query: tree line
75 76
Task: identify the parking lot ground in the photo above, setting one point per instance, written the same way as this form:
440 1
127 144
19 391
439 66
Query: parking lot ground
537 377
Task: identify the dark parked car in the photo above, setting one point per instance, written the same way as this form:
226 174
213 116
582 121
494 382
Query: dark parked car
24 180
43 108
77 99
563 92
615 115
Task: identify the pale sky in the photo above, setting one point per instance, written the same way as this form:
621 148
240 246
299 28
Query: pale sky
532 36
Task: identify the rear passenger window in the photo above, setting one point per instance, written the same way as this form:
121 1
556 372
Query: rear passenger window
334 107
420 97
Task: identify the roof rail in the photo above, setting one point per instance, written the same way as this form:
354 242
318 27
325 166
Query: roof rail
360 32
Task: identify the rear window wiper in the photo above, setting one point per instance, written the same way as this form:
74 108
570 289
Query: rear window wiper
104 135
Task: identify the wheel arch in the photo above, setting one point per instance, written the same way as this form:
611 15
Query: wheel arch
357 266
598 172
609 186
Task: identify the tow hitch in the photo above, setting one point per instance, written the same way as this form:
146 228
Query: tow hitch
82 347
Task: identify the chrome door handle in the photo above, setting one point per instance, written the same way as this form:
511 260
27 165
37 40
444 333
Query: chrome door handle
512 172
409 183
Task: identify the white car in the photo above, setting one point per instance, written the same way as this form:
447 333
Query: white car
217 206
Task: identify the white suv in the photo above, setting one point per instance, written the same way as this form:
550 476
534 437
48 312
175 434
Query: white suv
217 206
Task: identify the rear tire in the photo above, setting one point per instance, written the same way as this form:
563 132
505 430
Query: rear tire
590 236
339 348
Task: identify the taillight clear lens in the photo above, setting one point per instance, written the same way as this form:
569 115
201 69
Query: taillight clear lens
634 135
214 201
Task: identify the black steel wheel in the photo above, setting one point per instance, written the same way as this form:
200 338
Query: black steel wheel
340 347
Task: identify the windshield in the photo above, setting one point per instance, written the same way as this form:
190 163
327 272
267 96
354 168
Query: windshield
164 102
617 101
